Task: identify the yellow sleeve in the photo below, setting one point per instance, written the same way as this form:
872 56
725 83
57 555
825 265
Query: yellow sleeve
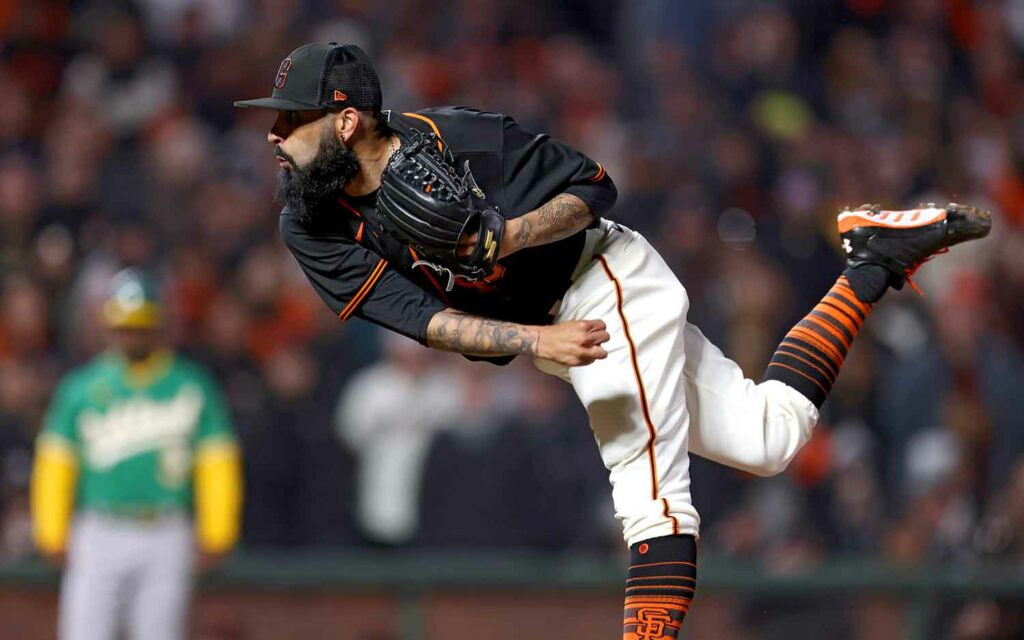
52 493
218 495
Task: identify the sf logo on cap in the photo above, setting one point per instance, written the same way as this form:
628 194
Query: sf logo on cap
282 73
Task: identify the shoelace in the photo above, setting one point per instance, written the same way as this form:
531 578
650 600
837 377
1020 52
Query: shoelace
910 272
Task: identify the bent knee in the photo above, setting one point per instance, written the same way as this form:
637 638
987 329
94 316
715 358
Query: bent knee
769 466
788 424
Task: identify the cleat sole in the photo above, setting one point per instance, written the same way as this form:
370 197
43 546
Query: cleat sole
967 223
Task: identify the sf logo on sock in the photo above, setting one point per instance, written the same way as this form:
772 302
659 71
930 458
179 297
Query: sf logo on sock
651 623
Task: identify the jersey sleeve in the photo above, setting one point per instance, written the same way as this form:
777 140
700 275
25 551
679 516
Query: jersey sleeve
52 497
217 471
537 167
352 280
59 423
214 419
55 470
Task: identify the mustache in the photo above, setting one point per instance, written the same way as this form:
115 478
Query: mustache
281 153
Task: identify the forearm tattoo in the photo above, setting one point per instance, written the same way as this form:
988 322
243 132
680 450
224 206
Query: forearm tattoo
558 218
452 330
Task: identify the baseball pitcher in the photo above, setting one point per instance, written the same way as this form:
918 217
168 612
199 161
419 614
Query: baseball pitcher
136 445
465 231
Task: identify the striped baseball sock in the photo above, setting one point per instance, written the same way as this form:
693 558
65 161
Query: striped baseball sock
811 354
661 582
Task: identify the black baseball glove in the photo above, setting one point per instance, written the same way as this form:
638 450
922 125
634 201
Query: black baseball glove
424 202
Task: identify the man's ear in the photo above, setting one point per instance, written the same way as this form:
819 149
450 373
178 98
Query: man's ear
346 124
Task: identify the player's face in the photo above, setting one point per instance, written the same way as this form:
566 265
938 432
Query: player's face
296 137
136 344
307 188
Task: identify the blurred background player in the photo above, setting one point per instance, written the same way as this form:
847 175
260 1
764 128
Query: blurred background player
134 443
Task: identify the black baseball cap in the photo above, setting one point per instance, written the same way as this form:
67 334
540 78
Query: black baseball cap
323 76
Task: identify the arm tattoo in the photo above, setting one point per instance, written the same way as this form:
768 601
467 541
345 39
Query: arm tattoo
555 220
525 233
452 330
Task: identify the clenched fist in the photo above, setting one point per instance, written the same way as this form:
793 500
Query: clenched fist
574 343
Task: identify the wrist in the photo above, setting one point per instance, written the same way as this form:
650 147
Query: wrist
540 347
510 239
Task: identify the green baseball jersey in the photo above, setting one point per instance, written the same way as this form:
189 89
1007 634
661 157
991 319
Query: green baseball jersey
134 432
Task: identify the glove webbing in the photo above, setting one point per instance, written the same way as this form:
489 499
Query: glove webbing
427 161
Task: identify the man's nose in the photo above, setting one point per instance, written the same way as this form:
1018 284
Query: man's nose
273 138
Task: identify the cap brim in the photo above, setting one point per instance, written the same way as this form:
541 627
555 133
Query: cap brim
278 104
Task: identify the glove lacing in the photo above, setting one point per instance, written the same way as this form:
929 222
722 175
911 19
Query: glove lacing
437 178
441 270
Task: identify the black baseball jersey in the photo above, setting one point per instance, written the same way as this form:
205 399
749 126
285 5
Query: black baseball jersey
360 271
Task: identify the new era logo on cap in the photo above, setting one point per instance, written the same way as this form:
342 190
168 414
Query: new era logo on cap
339 96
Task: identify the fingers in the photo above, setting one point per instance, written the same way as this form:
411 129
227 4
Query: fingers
578 342
597 353
587 356
466 245
595 333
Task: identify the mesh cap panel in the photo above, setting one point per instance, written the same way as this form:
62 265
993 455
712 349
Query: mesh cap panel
349 80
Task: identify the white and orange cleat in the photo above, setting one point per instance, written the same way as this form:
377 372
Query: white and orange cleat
901 241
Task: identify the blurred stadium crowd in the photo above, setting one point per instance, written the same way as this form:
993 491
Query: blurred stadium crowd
734 129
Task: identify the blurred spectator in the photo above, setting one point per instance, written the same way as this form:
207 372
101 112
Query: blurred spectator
387 417
536 478
117 77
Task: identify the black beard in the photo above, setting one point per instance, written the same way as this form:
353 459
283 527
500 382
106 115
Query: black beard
309 192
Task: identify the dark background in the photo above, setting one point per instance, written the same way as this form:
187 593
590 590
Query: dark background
734 129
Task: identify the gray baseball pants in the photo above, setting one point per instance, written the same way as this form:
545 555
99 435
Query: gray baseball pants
127 576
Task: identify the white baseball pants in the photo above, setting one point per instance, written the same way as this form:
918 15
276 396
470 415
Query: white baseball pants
664 390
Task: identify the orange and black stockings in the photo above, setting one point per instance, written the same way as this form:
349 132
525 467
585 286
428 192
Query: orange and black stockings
660 585
812 353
